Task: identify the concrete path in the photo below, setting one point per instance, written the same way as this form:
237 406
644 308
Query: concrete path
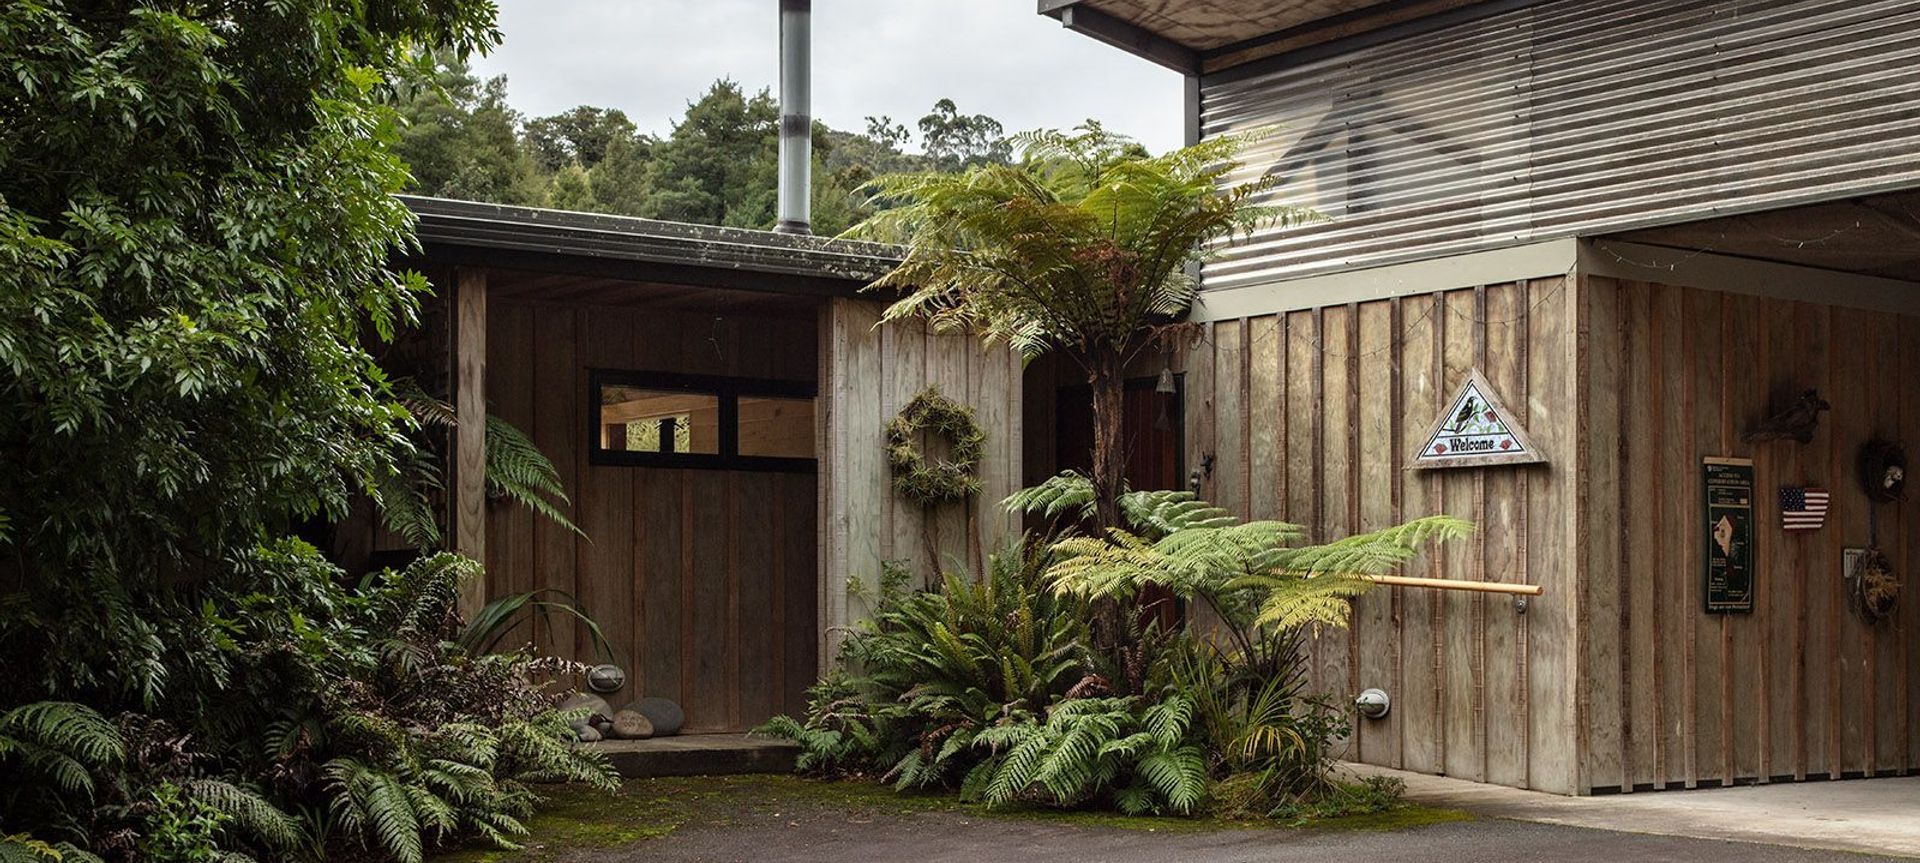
1869 816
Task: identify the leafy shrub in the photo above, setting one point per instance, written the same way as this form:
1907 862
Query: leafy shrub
1046 683
1094 749
931 669
388 737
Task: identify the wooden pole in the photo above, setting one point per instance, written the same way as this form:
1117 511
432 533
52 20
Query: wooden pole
1456 584
470 430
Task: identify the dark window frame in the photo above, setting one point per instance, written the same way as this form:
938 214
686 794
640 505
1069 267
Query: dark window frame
727 390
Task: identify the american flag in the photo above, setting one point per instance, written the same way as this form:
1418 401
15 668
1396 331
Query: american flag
1803 508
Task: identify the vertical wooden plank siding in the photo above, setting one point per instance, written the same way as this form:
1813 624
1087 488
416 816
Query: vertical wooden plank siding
1421 390
1803 686
1464 705
1609 726
867 374
559 415
1503 548
1310 416
510 536
704 582
1552 624
1374 614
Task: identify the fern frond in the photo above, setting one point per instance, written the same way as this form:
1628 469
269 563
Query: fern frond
518 469
248 812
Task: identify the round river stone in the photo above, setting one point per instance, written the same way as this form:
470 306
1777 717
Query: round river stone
666 716
630 725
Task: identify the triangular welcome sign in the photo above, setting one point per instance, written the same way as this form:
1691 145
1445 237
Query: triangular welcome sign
1474 431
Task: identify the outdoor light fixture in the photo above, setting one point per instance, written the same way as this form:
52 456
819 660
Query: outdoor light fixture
606 678
1165 384
1373 703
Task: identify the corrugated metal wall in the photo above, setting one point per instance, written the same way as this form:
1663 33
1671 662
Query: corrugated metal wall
1572 118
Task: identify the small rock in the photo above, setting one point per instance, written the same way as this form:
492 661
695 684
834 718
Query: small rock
596 704
665 715
631 725
588 734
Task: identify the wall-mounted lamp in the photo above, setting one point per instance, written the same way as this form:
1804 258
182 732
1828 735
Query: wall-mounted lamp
1373 703
606 678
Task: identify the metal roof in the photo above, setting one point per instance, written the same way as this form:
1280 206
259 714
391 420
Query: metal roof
642 248
1206 36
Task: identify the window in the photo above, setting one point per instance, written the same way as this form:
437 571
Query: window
698 421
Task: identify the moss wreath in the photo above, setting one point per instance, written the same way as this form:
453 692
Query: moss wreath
954 478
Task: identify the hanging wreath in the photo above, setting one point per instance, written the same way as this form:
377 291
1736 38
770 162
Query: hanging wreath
953 478
1876 591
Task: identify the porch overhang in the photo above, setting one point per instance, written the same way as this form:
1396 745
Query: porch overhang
1200 37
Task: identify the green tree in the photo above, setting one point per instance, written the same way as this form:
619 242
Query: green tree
460 139
1082 248
956 141
581 135
720 164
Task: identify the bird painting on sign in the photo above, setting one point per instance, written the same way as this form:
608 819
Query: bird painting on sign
1476 430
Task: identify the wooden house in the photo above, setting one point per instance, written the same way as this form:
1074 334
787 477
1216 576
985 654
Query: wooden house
1649 226
714 400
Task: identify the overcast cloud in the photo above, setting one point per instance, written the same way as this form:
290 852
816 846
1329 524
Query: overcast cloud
871 57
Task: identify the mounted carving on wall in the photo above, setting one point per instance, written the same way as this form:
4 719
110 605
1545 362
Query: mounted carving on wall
1796 422
1883 470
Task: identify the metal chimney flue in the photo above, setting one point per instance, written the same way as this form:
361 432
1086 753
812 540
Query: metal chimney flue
796 117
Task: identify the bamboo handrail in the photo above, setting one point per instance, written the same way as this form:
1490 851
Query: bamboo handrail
1456 584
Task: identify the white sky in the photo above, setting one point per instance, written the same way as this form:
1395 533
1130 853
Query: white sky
870 57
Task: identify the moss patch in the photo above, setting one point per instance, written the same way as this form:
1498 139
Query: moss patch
575 819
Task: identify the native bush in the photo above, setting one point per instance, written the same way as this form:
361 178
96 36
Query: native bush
196 227
1049 682
933 668
357 724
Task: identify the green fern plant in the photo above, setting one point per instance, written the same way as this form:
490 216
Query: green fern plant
1089 748
21 848
931 668
515 467
1253 574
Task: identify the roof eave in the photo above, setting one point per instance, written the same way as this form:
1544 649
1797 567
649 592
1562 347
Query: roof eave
608 239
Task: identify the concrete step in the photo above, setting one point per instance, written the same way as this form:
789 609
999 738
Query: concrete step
699 755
